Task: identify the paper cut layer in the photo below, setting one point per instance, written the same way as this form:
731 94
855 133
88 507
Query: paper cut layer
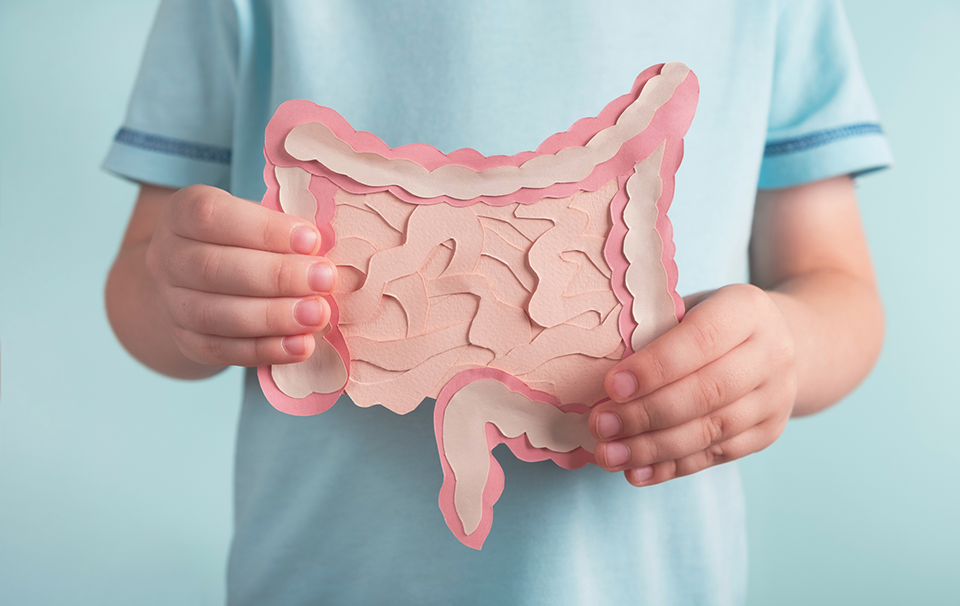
504 286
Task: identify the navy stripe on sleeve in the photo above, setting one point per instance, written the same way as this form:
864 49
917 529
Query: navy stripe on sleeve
174 147
819 138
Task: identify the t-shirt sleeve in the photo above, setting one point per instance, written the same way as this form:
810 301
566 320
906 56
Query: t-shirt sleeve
823 122
179 123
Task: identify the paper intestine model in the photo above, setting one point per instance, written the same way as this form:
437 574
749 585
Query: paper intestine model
504 286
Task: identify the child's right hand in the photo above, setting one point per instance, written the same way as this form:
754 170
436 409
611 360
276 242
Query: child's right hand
235 283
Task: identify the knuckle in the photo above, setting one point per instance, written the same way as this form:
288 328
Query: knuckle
275 231
713 430
667 470
282 275
288 275
204 211
692 464
715 454
751 295
210 264
267 231
277 317
645 451
202 316
215 351
709 395
261 350
706 334
650 370
641 416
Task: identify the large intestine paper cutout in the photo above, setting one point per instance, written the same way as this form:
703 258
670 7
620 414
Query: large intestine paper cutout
503 286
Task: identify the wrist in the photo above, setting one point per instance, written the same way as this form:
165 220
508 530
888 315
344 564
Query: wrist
837 325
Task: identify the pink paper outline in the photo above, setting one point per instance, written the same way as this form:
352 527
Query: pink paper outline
670 123
679 110
519 446
323 191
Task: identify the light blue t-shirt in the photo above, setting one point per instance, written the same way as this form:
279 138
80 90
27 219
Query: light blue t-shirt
341 508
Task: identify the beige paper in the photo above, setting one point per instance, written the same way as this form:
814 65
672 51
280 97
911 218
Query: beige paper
315 141
653 306
295 196
322 372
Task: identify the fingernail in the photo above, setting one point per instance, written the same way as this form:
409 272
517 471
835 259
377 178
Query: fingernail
617 454
623 385
608 425
641 475
308 312
295 346
303 240
321 277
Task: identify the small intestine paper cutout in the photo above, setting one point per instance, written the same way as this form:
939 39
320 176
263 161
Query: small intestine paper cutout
505 287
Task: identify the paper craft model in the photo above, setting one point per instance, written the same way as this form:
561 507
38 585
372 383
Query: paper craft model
504 286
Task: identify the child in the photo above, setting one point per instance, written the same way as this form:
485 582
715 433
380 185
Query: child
341 507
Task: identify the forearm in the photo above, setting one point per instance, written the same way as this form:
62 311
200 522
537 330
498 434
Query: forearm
837 324
809 252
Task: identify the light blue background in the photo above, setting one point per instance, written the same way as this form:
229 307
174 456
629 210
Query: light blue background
115 482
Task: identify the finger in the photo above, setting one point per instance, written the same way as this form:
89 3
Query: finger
715 385
228 351
207 214
751 441
252 273
686 439
233 316
712 328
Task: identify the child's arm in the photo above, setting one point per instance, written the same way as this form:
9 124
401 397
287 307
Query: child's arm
723 383
204 280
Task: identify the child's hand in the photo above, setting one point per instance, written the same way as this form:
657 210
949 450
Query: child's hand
719 386
204 280
723 383
237 283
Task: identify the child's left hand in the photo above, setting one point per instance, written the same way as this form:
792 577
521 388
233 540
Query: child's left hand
723 383
719 386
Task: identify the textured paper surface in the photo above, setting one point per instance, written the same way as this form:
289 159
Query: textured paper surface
505 287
